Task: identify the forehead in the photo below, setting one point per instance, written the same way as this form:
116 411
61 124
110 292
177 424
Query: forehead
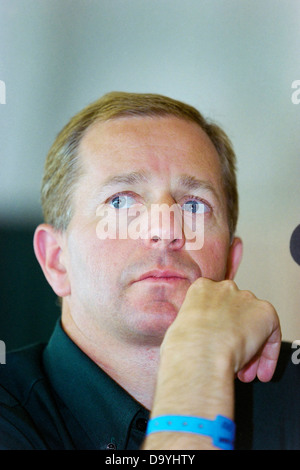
159 145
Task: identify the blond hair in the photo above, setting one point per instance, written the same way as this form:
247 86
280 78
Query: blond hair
63 169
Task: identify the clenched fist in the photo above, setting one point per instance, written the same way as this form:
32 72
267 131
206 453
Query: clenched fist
230 322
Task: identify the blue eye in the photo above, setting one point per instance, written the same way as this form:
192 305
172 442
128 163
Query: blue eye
195 207
122 201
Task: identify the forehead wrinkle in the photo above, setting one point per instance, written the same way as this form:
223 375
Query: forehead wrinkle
132 178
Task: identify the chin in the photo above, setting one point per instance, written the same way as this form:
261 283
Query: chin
155 319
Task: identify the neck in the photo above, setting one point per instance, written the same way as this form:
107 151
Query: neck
132 365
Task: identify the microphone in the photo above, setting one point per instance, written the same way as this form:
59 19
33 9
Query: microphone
295 245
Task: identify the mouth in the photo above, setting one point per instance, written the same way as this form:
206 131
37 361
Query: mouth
168 276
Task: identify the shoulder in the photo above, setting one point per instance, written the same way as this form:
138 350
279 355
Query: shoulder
19 377
285 384
23 368
268 414
29 414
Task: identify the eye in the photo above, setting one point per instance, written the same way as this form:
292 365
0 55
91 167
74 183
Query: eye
196 206
122 201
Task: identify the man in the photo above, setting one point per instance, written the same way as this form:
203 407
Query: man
150 324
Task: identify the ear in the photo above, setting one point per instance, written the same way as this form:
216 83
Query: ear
234 257
48 248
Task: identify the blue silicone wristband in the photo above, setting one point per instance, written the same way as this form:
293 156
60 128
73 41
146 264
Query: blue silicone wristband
221 430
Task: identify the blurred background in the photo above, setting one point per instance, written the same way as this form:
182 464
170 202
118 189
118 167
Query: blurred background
235 60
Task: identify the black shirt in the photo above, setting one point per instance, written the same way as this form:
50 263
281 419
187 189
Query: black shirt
54 397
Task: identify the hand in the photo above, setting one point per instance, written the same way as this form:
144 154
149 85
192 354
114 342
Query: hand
220 332
229 322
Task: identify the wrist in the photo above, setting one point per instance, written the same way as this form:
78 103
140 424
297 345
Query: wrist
221 430
204 387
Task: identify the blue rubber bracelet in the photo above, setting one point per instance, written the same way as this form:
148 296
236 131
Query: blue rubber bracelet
221 430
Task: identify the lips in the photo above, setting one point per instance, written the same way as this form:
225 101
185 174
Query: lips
162 275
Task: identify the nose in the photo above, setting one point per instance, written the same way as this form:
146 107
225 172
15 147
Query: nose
165 228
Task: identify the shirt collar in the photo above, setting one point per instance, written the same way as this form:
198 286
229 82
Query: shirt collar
104 409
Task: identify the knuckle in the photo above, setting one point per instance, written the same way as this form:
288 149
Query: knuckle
248 294
201 282
267 306
230 284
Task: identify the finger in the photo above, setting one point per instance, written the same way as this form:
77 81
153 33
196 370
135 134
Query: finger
263 364
249 371
268 361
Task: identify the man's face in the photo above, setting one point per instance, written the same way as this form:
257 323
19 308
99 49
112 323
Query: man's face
128 288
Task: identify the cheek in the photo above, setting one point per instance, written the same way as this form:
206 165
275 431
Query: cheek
212 259
98 263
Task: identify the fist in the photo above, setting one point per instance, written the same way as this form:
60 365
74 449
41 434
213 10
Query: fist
219 322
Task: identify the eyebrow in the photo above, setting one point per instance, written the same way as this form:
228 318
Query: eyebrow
192 183
138 177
